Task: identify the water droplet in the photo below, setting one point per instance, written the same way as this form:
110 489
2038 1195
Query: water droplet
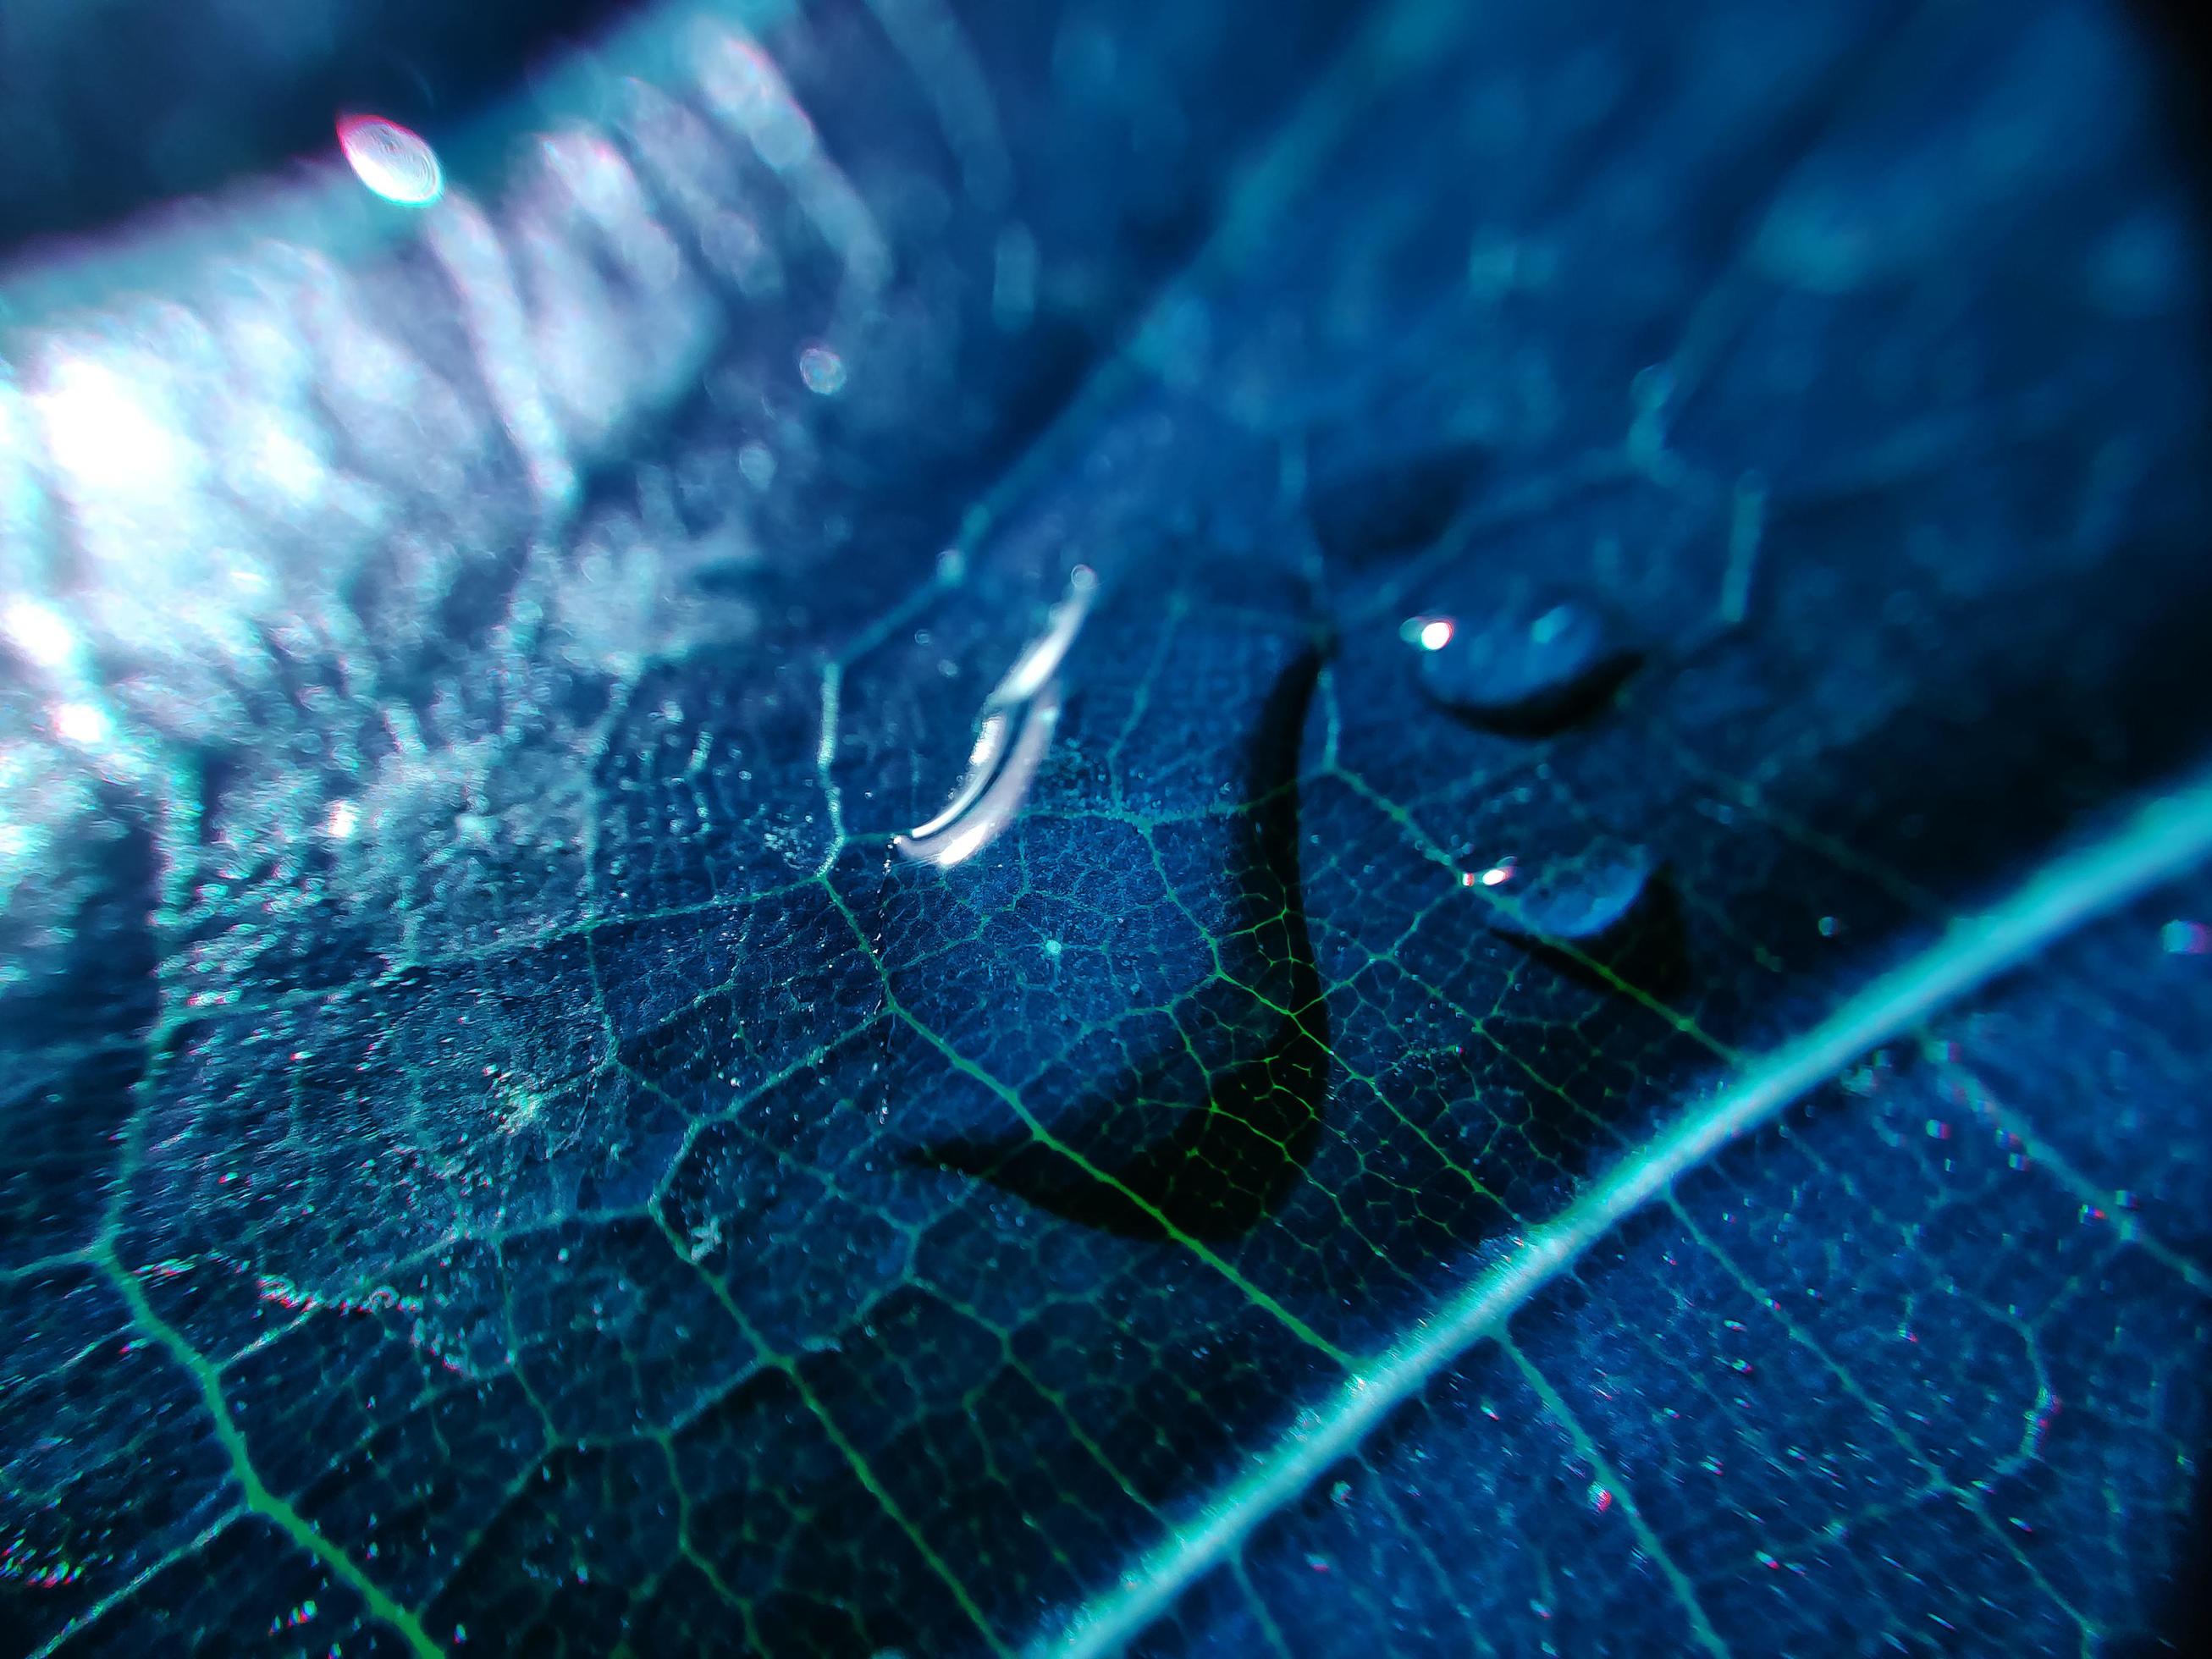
1580 899
390 161
823 370
1011 739
1523 667
39 632
81 723
2185 938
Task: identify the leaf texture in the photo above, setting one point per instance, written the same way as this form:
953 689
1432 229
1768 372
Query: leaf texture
1672 1126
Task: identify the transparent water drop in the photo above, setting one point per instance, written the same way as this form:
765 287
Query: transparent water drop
1012 736
392 162
1528 665
823 370
2185 938
1579 898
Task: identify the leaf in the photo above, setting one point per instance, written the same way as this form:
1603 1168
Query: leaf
1678 1132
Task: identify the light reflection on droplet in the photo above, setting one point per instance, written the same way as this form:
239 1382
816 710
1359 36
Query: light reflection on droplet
39 632
109 434
1011 736
395 163
2185 938
1530 663
80 723
823 370
1581 897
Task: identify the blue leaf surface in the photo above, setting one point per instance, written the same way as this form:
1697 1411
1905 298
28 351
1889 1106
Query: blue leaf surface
1561 1002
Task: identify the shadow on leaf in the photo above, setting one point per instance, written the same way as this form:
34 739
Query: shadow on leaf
1230 1159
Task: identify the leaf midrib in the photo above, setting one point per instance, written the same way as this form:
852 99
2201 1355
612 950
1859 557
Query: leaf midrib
2160 841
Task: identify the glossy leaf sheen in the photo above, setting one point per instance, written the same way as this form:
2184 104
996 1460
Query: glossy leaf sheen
701 1228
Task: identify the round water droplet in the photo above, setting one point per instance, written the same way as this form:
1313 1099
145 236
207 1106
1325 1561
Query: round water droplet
1527 667
823 370
1580 898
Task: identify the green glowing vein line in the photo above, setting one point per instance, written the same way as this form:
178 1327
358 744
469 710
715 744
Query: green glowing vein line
259 1498
2162 840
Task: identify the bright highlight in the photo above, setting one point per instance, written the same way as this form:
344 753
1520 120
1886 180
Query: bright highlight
390 161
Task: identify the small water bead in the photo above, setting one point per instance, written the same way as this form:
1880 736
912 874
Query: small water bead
1581 897
1527 667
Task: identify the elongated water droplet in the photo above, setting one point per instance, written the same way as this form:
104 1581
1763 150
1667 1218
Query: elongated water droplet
395 163
1531 666
1578 898
1012 736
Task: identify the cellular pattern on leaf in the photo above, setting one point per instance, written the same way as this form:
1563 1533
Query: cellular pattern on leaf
502 1149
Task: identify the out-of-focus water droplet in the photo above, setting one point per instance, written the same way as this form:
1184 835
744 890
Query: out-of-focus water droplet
1011 739
81 723
1497 876
1430 633
1581 897
395 163
823 370
39 632
1530 665
2186 939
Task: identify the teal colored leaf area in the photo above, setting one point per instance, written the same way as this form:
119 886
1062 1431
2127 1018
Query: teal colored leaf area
1566 1004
